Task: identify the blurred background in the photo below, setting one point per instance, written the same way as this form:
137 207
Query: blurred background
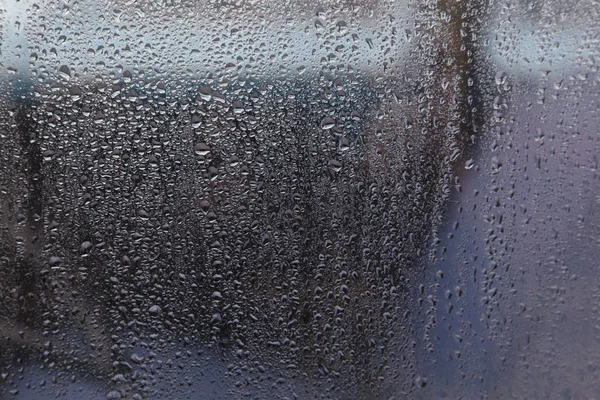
303 199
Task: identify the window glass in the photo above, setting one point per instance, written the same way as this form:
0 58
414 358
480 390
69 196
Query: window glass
304 199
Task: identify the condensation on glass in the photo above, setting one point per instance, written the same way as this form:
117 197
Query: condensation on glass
255 199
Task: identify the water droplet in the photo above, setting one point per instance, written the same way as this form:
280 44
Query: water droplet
205 93
327 123
335 165
155 310
64 72
201 149
500 78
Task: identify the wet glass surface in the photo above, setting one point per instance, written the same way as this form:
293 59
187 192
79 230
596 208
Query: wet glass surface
343 200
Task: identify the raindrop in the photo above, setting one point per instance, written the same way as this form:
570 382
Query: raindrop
327 123
500 78
155 310
201 149
64 72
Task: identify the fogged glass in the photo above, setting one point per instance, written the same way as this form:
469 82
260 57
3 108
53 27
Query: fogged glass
279 200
